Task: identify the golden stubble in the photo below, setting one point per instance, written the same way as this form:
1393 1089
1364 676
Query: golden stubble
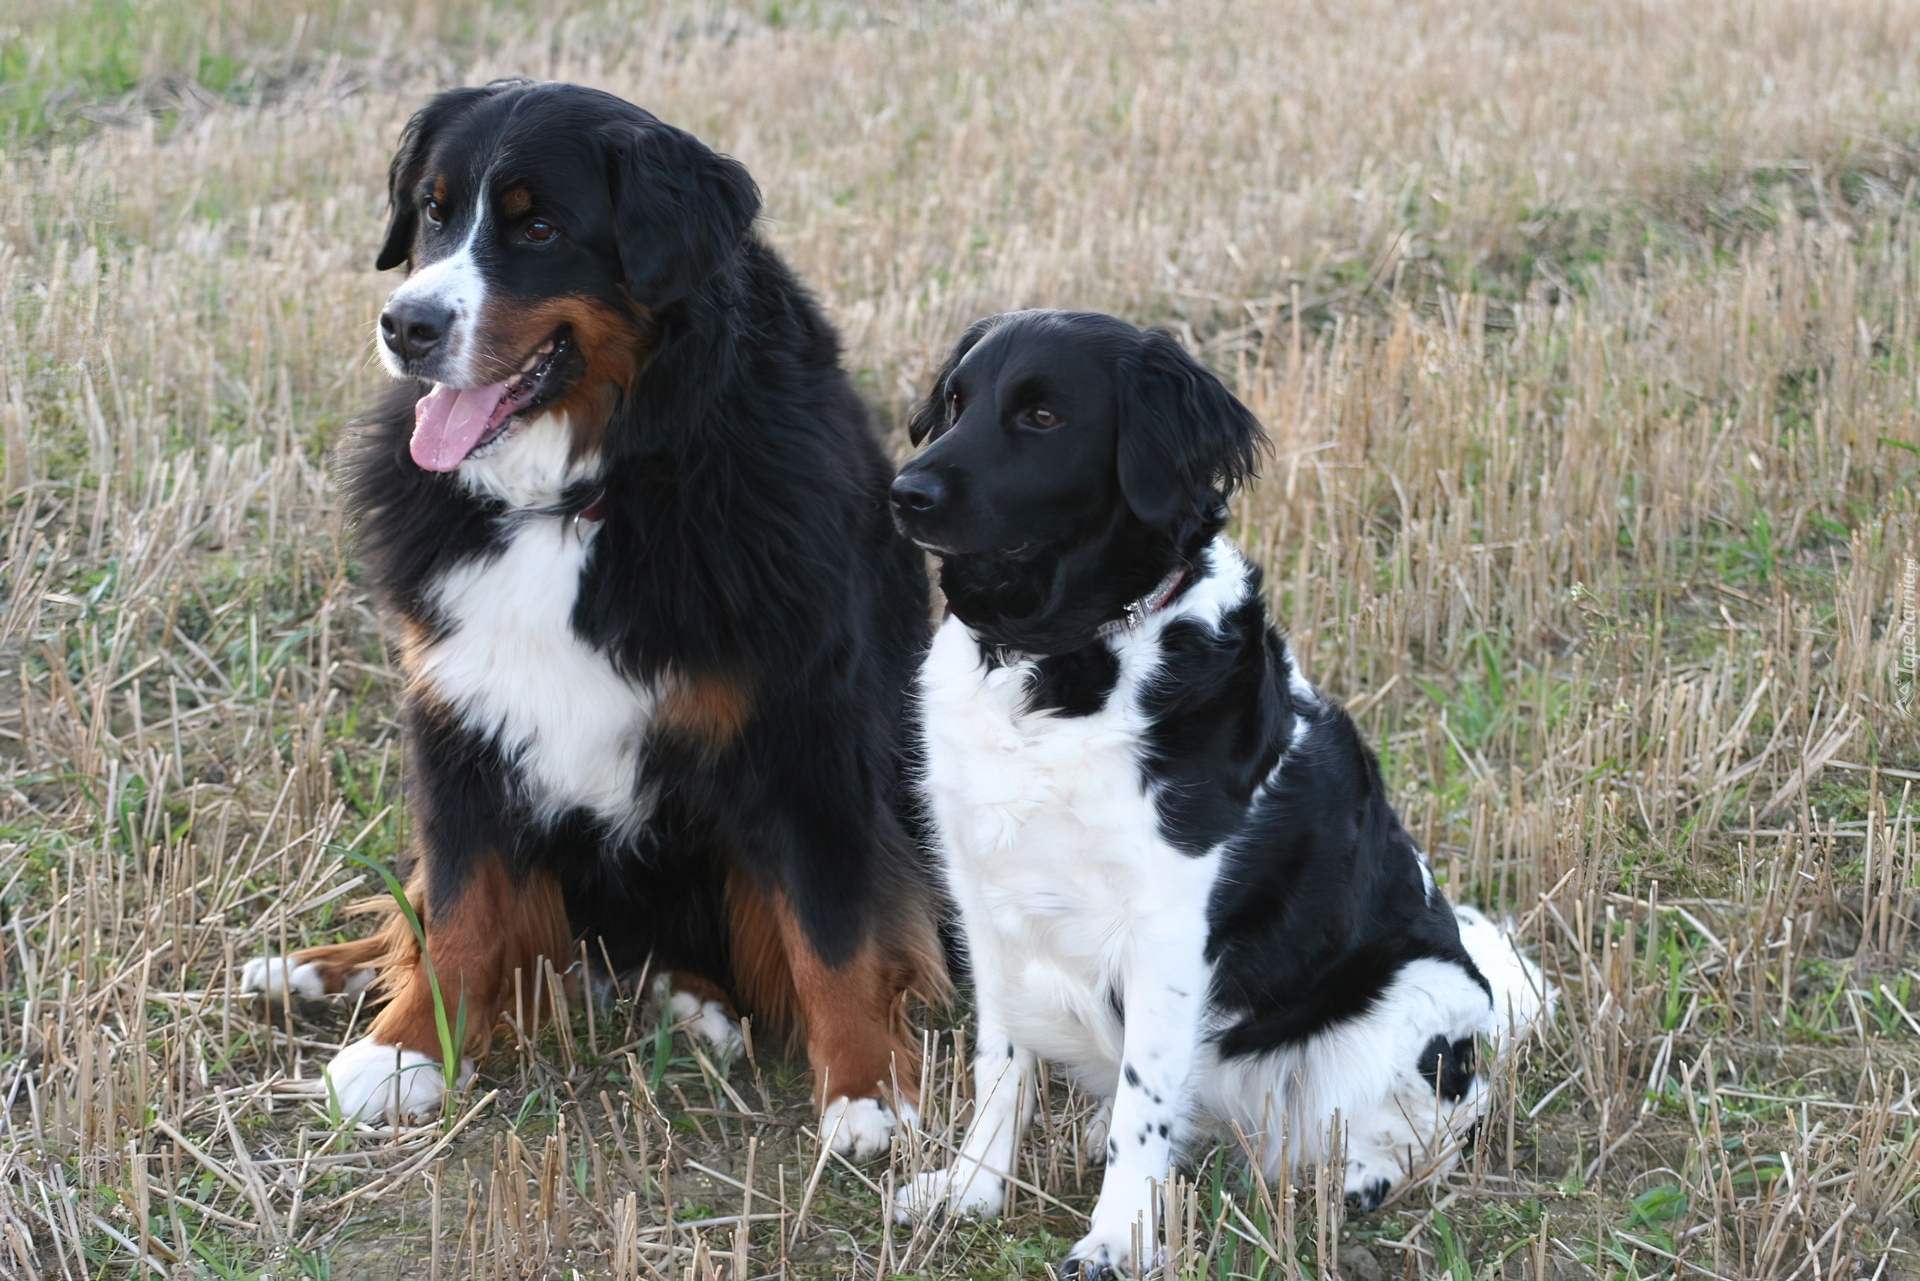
1581 330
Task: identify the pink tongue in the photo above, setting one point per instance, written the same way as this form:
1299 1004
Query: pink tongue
449 421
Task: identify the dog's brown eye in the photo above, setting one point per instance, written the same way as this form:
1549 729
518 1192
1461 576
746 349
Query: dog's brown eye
433 211
1043 417
540 232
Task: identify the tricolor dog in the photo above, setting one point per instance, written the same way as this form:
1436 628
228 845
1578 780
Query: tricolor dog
1176 868
629 520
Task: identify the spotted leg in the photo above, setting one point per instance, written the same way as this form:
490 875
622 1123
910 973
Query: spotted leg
1165 1001
479 931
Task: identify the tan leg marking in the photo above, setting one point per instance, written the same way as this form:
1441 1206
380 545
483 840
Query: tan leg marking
498 924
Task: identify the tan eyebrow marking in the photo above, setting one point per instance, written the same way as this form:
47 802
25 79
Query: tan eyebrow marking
516 202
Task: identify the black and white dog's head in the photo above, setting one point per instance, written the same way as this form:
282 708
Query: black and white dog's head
1075 461
545 226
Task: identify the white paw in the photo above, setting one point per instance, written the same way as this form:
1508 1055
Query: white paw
272 976
961 1188
372 1082
1095 1258
709 1021
1107 1249
860 1128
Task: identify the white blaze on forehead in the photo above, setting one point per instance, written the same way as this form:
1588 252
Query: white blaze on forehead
456 286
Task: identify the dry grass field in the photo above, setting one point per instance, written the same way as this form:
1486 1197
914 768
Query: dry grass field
1588 335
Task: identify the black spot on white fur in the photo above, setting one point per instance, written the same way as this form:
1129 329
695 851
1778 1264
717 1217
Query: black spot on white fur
1448 1067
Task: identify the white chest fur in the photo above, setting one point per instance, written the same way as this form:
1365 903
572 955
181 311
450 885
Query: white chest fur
1051 838
511 666
532 467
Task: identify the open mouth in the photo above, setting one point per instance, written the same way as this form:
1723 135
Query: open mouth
451 424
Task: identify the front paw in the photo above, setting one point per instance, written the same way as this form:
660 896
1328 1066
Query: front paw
1095 1260
974 1191
374 1083
860 1128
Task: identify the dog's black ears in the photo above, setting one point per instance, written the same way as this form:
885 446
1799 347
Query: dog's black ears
404 174
680 209
930 417
1186 442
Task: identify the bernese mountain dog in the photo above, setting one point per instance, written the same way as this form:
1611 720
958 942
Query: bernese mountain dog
631 523
1176 868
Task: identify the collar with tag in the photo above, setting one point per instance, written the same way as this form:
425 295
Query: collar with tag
584 511
1132 616
595 511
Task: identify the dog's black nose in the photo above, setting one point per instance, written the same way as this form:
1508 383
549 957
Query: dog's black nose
413 329
918 493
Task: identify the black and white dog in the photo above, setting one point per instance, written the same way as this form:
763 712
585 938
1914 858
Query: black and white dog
1174 860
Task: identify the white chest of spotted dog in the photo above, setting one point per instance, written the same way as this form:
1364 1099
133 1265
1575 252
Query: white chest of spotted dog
1081 921
1052 847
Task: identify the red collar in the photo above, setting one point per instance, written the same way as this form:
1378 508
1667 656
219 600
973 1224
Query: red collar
1135 614
1146 607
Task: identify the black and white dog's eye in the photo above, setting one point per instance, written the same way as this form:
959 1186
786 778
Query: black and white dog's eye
953 406
433 211
1041 416
540 232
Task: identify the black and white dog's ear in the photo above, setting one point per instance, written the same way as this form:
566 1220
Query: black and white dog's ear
1186 442
930 417
680 209
404 174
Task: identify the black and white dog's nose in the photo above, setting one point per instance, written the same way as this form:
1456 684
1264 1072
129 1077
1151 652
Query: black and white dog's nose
916 493
413 329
